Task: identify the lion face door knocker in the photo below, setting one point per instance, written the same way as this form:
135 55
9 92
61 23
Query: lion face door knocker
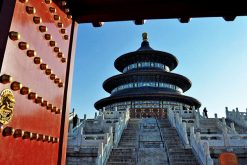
7 103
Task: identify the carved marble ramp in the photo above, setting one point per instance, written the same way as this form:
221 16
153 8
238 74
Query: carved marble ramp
141 144
151 144
178 155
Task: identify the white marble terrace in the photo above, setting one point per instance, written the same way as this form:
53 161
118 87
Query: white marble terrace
196 131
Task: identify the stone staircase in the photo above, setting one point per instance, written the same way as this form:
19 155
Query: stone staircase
238 128
178 155
122 156
126 152
209 126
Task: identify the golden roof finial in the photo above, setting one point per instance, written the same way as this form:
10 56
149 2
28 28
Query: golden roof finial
144 36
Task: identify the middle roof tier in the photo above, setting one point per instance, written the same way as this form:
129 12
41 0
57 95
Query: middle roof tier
147 76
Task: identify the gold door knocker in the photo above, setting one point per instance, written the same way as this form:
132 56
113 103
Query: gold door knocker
7 103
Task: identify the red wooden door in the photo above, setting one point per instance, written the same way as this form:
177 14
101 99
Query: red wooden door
37 52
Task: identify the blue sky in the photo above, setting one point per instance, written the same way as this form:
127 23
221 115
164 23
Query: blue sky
212 53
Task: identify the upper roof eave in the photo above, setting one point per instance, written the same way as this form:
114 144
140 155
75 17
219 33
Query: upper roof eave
146 55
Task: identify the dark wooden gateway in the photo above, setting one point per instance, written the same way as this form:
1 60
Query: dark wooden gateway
37 47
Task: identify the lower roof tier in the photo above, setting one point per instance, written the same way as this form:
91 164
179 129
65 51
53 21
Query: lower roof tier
147 76
152 96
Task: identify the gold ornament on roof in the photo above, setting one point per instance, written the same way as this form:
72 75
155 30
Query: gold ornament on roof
144 36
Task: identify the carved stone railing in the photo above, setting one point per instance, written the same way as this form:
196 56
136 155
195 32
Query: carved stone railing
239 118
89 140
120 126
185 113
171 117
200 149
181 129
225 140
74 135
176 121
79 140
105 149
102 142
224 127
117 120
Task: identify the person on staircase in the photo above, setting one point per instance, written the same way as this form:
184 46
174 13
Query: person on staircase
205 112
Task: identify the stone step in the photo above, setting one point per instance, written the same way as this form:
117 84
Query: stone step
175 137
180 151
170 134
169 130
129 131
129 134
173 145
129 139
173 142
164 126
128 142
127 146
182 156
180 160
120 163
122 151
184 163
121 158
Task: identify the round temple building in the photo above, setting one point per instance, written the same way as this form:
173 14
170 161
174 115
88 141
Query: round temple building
146 84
